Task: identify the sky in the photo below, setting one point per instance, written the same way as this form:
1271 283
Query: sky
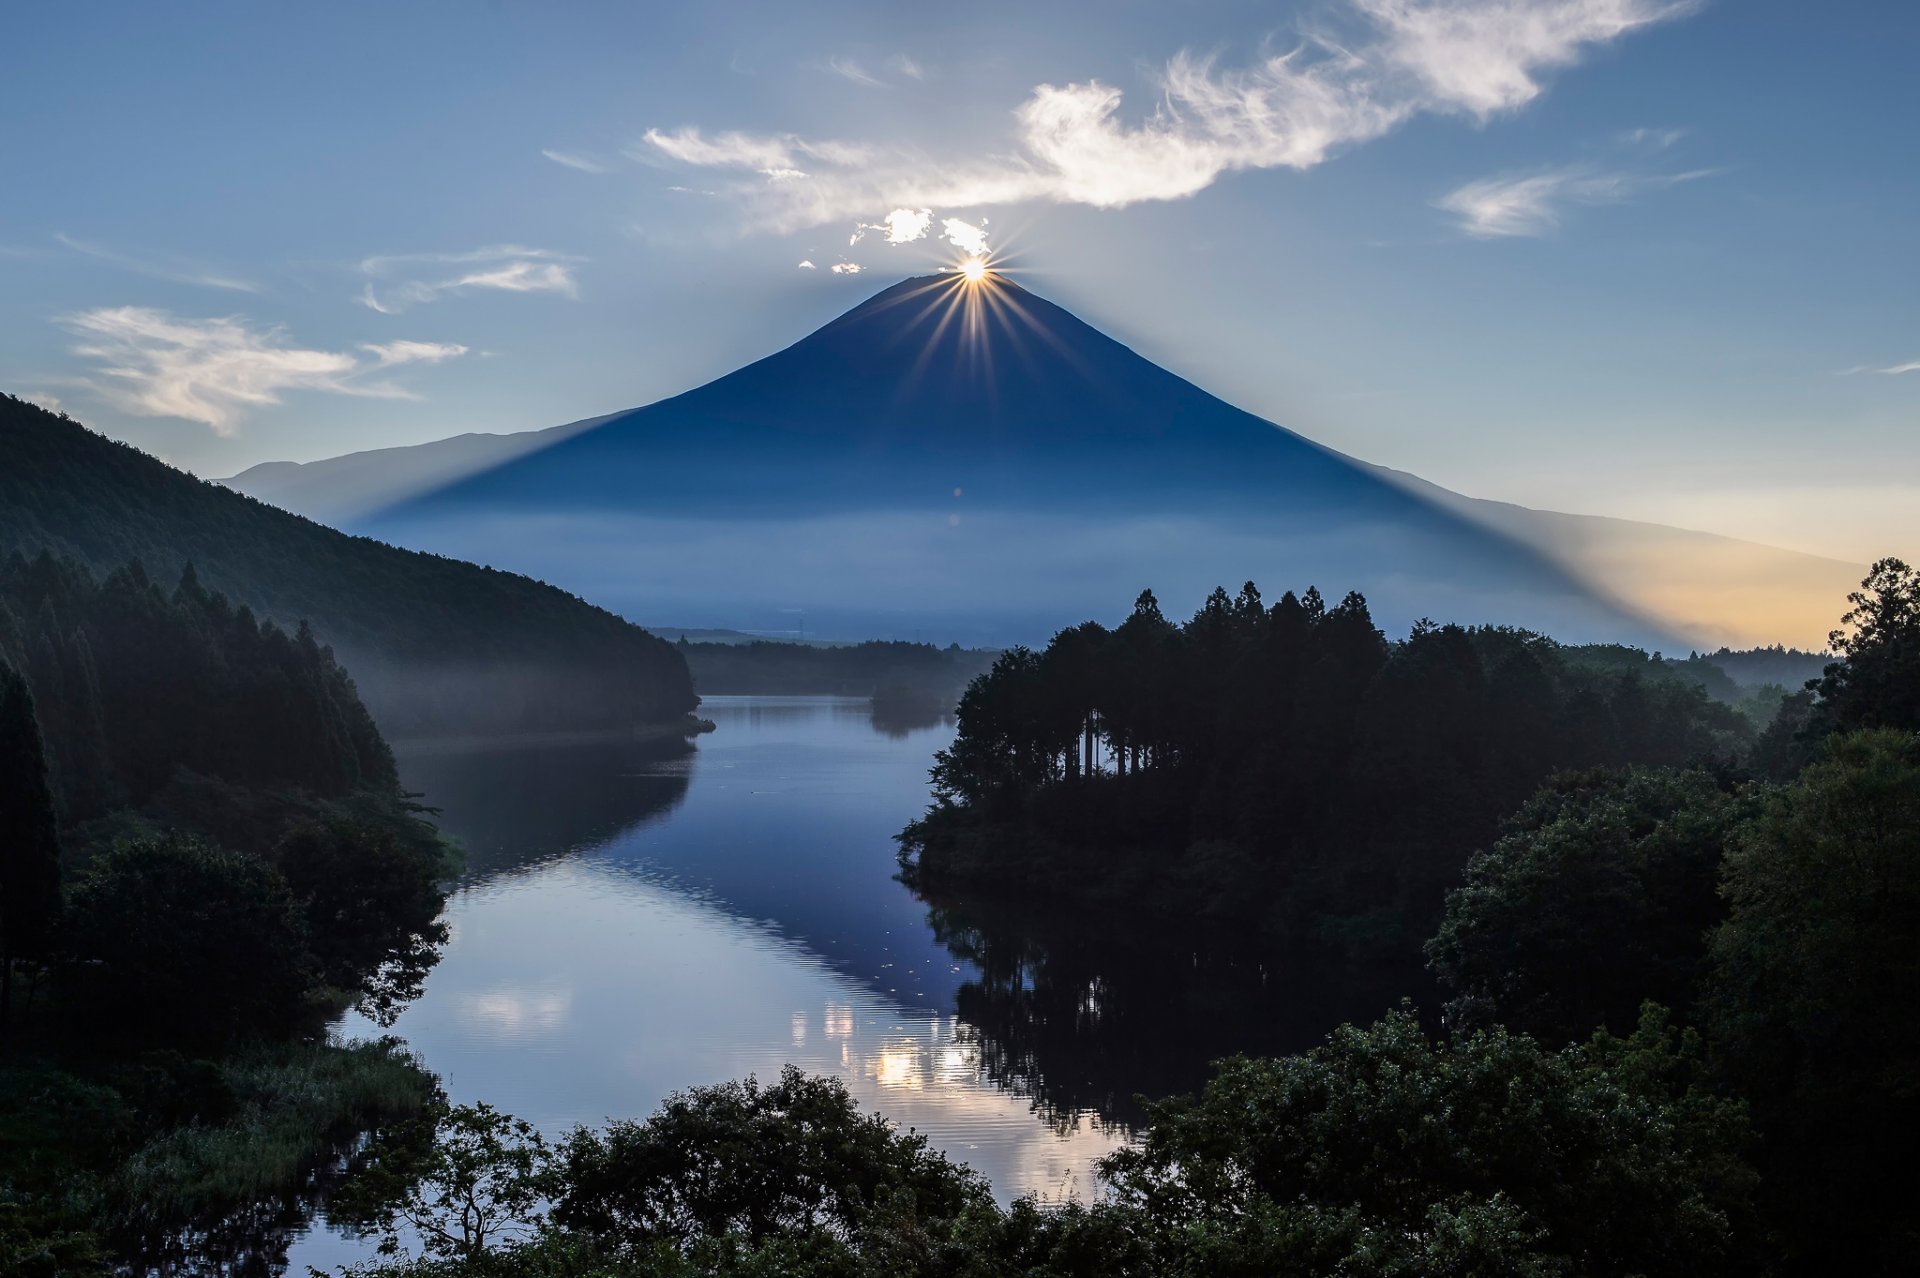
1647 258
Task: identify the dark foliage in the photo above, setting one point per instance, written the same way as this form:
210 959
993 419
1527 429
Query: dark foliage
175 940
1285 767
29 840
371 896
439 646
1810 983
1877 682
1382 1152
135 684
854 670
1599 896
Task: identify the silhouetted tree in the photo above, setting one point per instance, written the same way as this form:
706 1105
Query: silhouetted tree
29 839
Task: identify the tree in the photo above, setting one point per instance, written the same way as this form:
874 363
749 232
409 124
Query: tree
795 1162
477 1184
1598 897
171 938
372 901
1809 992
29 838
1877 682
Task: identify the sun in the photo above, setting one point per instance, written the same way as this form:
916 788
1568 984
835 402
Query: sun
974 269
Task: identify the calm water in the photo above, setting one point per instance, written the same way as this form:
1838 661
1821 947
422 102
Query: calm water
632 926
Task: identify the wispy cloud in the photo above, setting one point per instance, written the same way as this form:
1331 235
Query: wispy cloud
155 364
404 352
848 69
174 271
1530 204
1891 370
860 73
504 267
49 402
573 160
1383 62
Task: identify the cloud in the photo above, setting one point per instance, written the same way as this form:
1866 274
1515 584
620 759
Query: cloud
403 352
49 402
969 239
1892 370
573 161
851 70
155 364
847 268
808 266
1530 204
1386 62
504 267
902 226
848 69
178 272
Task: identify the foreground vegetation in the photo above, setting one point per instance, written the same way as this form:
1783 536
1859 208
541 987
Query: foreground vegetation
204 855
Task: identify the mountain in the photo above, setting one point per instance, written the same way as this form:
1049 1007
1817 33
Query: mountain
973 462
436 646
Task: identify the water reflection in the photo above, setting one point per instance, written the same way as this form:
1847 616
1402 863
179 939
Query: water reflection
634 925
516 805
1082 1016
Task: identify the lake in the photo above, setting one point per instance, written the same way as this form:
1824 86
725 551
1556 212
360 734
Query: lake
629 926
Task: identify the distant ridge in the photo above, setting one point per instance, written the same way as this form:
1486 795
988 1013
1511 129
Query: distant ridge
436 646
980 464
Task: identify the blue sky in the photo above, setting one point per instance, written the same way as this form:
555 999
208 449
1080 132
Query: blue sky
1632 257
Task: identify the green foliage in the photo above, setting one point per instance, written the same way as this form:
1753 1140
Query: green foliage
1387 1152
1808 988
160 1162
477 1183
1599 896
371 897
742 1163
1380 1153
438 646
1285 768
173 939
29 840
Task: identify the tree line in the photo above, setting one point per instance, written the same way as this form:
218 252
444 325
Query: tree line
1285 767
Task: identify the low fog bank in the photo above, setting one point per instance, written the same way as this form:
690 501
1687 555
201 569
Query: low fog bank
990 578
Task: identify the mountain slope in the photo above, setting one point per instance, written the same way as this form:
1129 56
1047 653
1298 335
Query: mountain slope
435 645
976 462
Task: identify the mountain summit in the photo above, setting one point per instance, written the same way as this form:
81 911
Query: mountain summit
961 459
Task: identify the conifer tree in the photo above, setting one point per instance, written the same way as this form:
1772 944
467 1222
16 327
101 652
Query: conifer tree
29 837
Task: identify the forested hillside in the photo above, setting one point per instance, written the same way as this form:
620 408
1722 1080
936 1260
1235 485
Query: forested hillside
436 645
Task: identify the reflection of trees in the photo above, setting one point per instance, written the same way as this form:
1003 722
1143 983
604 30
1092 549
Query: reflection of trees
895 716
1084 1016
512 806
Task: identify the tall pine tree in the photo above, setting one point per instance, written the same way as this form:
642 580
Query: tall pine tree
29 837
